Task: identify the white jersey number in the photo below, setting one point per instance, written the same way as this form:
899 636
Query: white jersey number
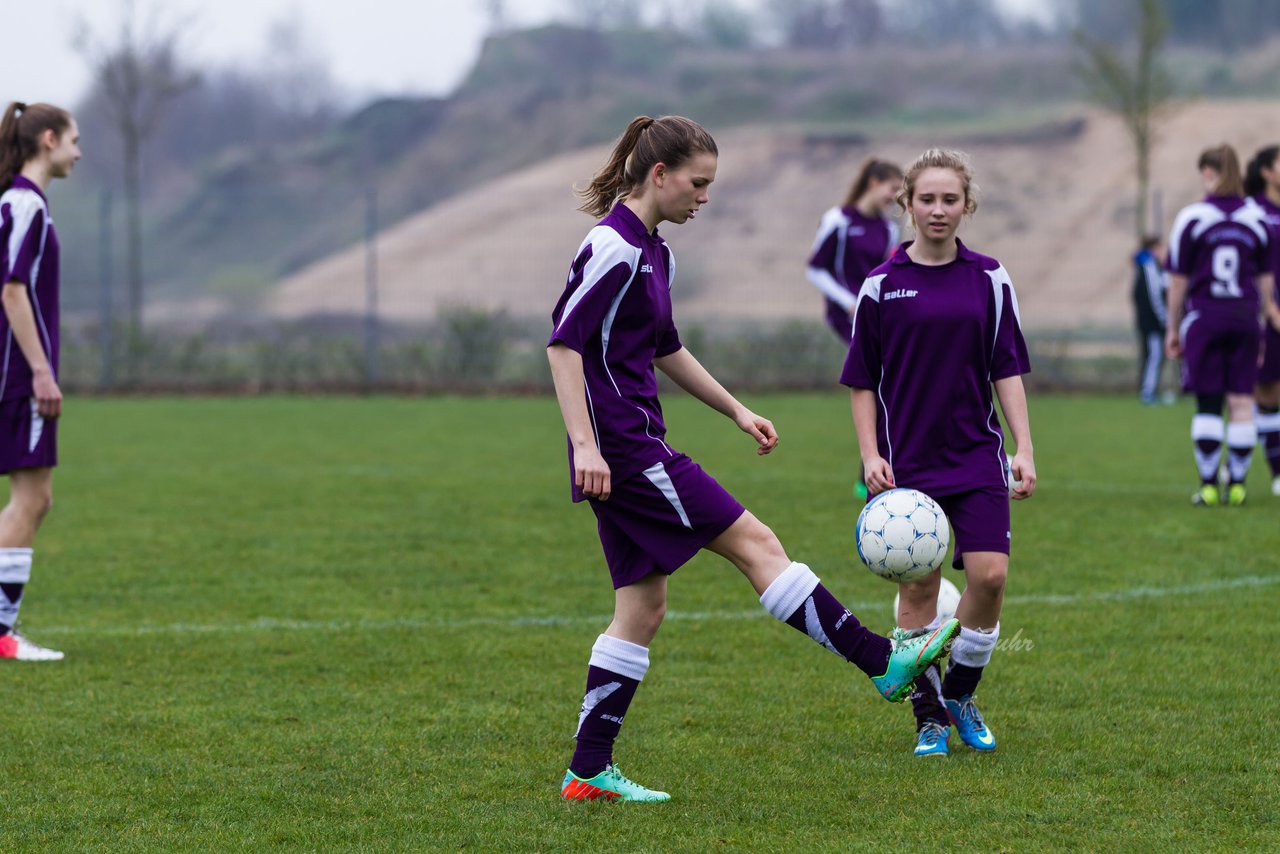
1226 273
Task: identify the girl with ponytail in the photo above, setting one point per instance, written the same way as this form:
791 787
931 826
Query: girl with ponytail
655 508
1220 256
38 143
1262 185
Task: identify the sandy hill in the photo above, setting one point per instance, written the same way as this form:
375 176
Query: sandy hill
1055 208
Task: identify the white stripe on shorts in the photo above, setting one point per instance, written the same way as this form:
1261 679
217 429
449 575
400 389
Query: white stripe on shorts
37 427
658 477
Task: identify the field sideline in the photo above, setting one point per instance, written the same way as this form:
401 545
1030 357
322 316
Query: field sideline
363 624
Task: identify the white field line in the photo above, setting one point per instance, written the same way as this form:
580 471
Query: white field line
272 624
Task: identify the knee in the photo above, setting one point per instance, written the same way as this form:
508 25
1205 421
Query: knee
762 544
989 579
34 504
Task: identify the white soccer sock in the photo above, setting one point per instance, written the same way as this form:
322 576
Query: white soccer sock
15 568
1241 437
789 591
1207 428
619 656
1267 422
973 647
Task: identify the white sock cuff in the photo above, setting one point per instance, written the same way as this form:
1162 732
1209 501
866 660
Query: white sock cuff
934 624
1242 434
788 591
15 566
1268 422
1207 426
973 648
619 656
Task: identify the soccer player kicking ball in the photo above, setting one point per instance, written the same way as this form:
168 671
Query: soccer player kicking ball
655 507
37 144
936 327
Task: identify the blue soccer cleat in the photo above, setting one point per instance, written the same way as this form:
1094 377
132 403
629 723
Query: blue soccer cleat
969 724
909 657
932 739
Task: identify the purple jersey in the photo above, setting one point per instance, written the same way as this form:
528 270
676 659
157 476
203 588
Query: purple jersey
930 341
616 313
1221 245
28 254
848 246
1271 214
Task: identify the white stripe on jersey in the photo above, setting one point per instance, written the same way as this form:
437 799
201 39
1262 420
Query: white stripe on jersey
1200 211
999 279
37 427
833 221
895 232
1255 219
608 250
23 205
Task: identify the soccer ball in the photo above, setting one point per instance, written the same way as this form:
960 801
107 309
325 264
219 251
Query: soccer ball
902 535
948 599
1008 475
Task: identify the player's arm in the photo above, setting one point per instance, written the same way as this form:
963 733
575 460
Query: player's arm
590 471
1177 298
1013 403
822 279
1266 291
22 320
878 474
688 373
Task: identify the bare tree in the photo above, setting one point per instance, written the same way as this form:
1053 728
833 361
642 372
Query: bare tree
1138 90
139 74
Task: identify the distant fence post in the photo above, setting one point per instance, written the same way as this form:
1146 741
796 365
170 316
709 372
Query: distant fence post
106 376
371 288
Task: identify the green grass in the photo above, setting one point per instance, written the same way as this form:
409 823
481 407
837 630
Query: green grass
349 624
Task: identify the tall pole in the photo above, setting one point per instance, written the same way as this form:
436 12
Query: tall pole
106 377
371 288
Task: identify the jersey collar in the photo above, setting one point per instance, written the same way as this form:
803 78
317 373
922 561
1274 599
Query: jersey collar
627 218
963 253
21 182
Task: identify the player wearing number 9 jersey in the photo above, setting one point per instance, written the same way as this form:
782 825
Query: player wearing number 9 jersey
1219 254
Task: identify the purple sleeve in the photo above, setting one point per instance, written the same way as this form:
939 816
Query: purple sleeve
20 267
587 298
824 254
1181 256
862 366
668 342
1009 357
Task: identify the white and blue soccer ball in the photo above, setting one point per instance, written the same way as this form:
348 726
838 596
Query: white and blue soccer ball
902 535
1008 475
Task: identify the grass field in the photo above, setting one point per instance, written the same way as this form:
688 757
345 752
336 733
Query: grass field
363 625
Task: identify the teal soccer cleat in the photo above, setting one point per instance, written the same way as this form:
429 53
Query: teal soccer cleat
969 724
932 739
910 657
609 785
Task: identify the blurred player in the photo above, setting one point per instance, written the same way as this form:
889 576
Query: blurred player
852 239
1220 260
655 508
935 329
37 144
1262 185
1150 288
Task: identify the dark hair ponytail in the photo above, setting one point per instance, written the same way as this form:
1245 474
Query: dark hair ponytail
20 132
1223 160
872 170
646 142
1254 184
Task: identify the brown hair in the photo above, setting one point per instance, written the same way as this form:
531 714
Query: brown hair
872 170
646 142
1254 183
1223 160
940 158
20 132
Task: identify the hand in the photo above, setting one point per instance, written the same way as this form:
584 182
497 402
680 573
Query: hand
1172 346
877 474
1023 468
1274 317
760 429
591 473
47 394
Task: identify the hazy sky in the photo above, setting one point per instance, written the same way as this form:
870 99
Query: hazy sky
373 46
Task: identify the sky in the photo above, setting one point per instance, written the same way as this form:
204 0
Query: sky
374 47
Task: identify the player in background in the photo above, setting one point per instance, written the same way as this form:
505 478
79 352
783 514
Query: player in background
1150 294
1220 261
852 239
1262 185
939 316
38 143
655 508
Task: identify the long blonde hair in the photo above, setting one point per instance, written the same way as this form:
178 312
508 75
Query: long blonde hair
646 141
